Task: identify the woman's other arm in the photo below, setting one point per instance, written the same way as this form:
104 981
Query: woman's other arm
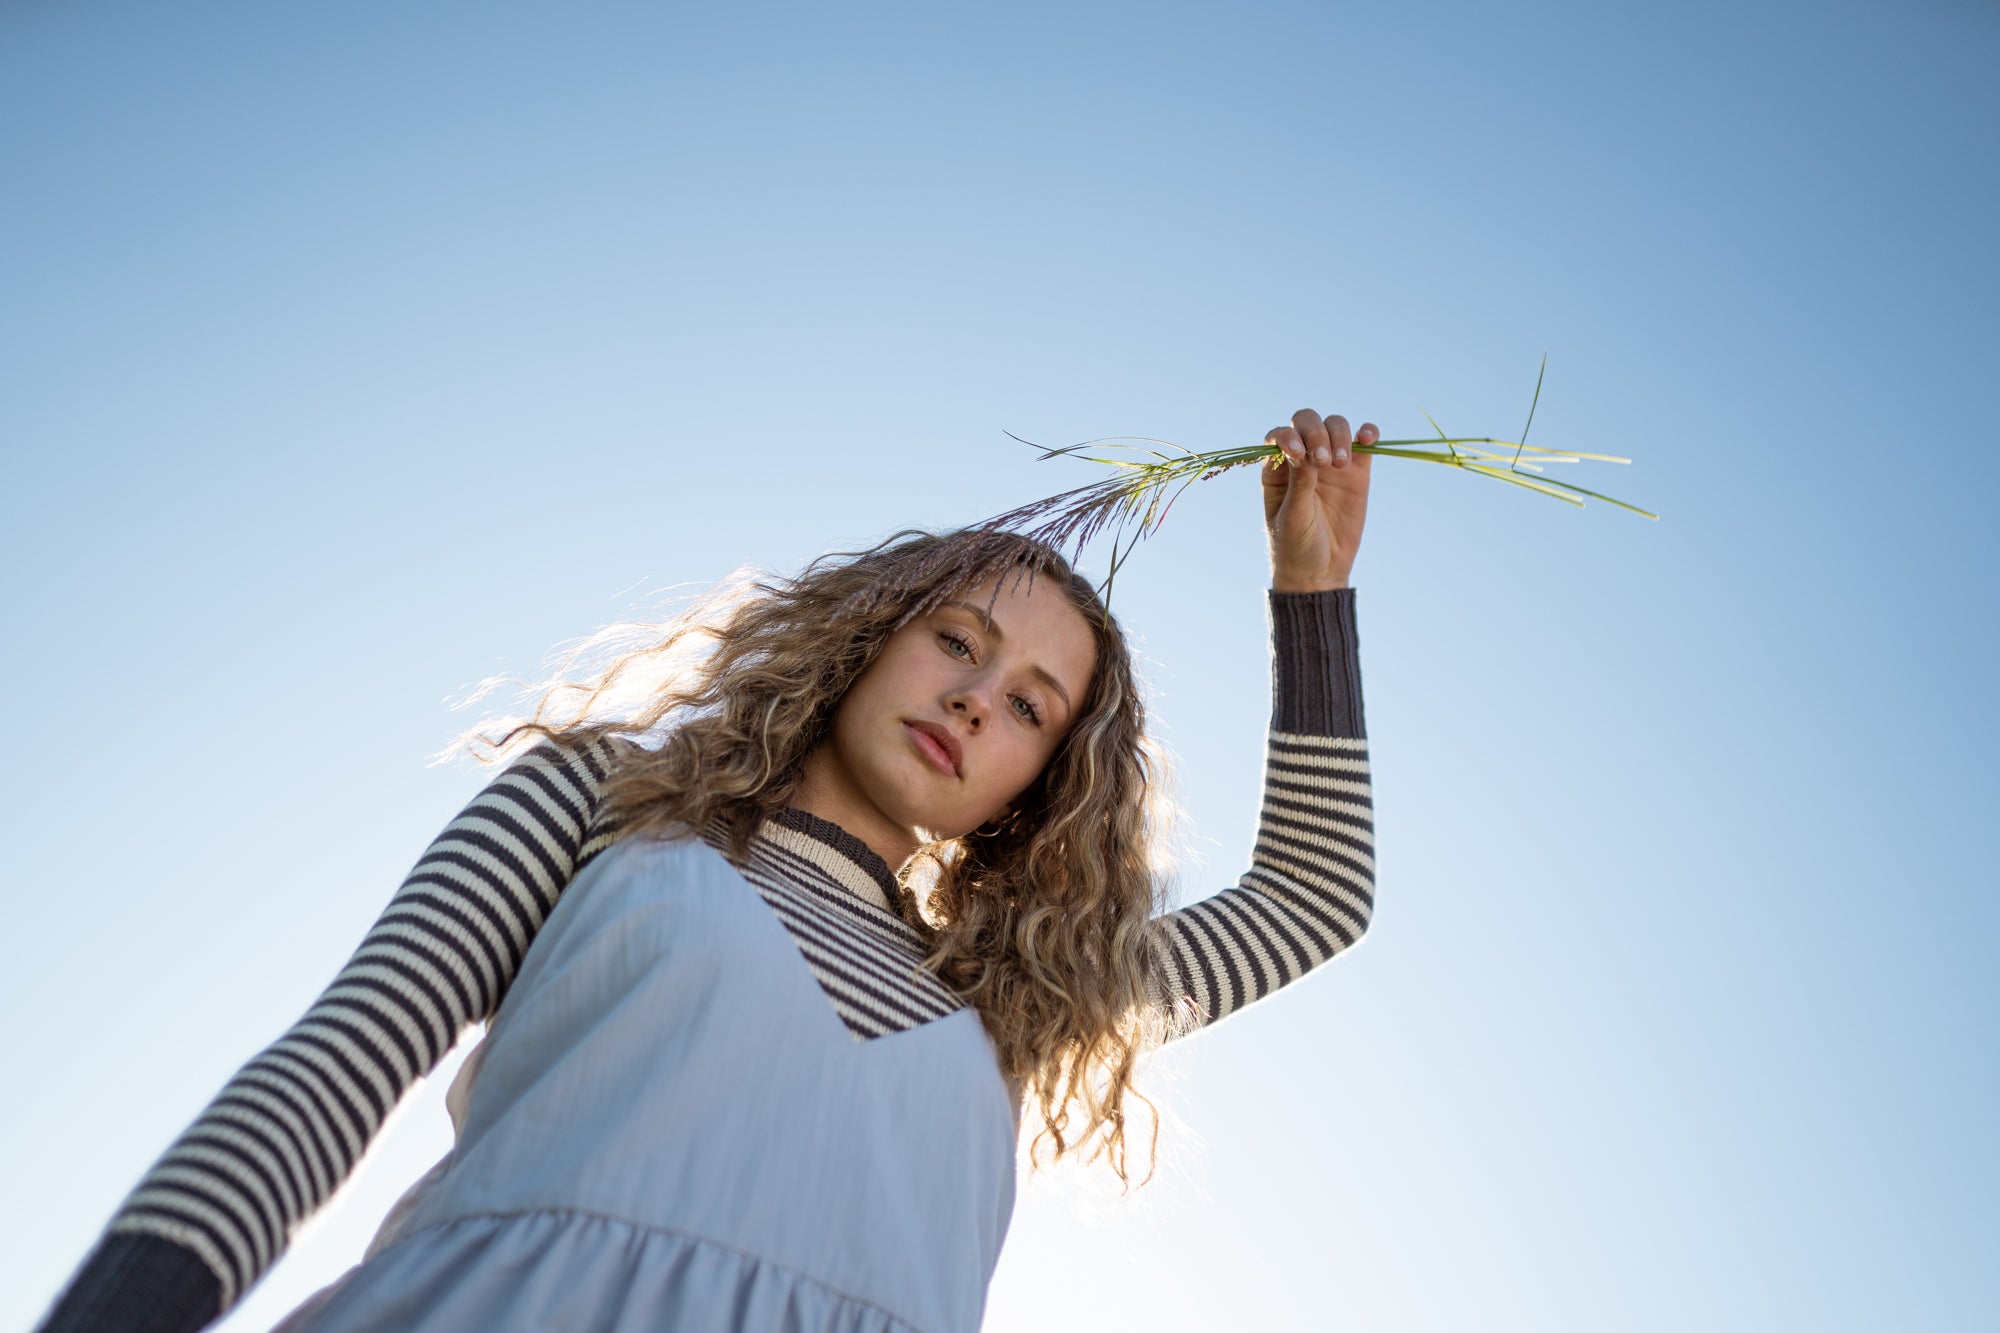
221 1205
1310 890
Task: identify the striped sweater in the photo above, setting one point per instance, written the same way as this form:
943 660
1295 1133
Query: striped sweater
221 1205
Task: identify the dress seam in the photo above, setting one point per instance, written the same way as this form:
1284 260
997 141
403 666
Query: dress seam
678 1233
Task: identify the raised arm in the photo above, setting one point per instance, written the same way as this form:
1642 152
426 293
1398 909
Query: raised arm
221 1205
1310 890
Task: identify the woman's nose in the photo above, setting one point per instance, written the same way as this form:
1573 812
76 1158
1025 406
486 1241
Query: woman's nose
970 703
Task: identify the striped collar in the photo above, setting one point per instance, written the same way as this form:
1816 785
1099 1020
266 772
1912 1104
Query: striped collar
834 897
841 856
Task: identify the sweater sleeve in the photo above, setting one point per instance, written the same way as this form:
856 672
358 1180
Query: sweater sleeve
220 1206
1310 888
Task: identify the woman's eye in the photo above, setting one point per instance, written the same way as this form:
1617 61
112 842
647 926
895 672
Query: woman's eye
1025 709
956 646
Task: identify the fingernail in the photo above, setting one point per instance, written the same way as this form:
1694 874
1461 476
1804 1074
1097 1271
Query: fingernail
1321 456
1340 453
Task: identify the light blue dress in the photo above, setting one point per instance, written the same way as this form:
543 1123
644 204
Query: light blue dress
670 1126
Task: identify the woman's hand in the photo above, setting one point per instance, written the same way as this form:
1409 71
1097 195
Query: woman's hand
1315 501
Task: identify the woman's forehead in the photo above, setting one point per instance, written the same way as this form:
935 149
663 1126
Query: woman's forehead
1040 596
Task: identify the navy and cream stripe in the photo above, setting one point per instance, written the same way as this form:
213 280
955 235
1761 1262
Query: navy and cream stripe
288 1129
1310 888
1307 895
835 904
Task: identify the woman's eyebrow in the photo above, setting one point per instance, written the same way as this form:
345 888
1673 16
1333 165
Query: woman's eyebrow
978 613
1036 670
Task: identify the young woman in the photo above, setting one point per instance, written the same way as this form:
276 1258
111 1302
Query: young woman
778 969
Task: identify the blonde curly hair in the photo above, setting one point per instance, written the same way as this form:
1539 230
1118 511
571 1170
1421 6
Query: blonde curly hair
1042 925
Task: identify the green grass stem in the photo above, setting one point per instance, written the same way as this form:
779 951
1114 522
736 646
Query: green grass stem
1147 481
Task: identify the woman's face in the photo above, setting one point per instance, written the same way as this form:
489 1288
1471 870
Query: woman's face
957 716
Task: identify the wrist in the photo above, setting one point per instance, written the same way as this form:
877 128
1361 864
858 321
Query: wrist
1286 581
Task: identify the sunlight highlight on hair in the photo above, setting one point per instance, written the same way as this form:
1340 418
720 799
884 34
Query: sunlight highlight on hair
1043 926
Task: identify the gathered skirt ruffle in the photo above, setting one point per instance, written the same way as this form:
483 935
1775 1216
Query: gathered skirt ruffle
574 1272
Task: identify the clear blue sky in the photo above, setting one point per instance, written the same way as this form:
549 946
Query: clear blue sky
350 354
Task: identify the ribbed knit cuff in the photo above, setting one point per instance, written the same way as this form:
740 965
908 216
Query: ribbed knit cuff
1316 664
135 1283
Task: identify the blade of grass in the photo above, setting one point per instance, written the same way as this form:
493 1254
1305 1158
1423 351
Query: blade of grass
1531 407
1448 442
1513 478
1599 495
1487 439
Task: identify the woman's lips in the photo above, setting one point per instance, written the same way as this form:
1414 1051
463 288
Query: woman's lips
937 745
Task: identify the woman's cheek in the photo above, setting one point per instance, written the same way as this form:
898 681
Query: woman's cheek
1027 768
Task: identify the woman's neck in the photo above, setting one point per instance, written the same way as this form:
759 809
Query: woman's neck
822 794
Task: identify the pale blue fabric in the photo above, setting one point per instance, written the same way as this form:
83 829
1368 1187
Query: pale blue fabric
669 1127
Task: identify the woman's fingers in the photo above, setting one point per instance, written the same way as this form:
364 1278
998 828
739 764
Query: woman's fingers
1340 437
1327 441
1288 440
1313 434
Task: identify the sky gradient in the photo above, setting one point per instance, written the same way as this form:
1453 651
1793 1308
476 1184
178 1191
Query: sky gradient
351 355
